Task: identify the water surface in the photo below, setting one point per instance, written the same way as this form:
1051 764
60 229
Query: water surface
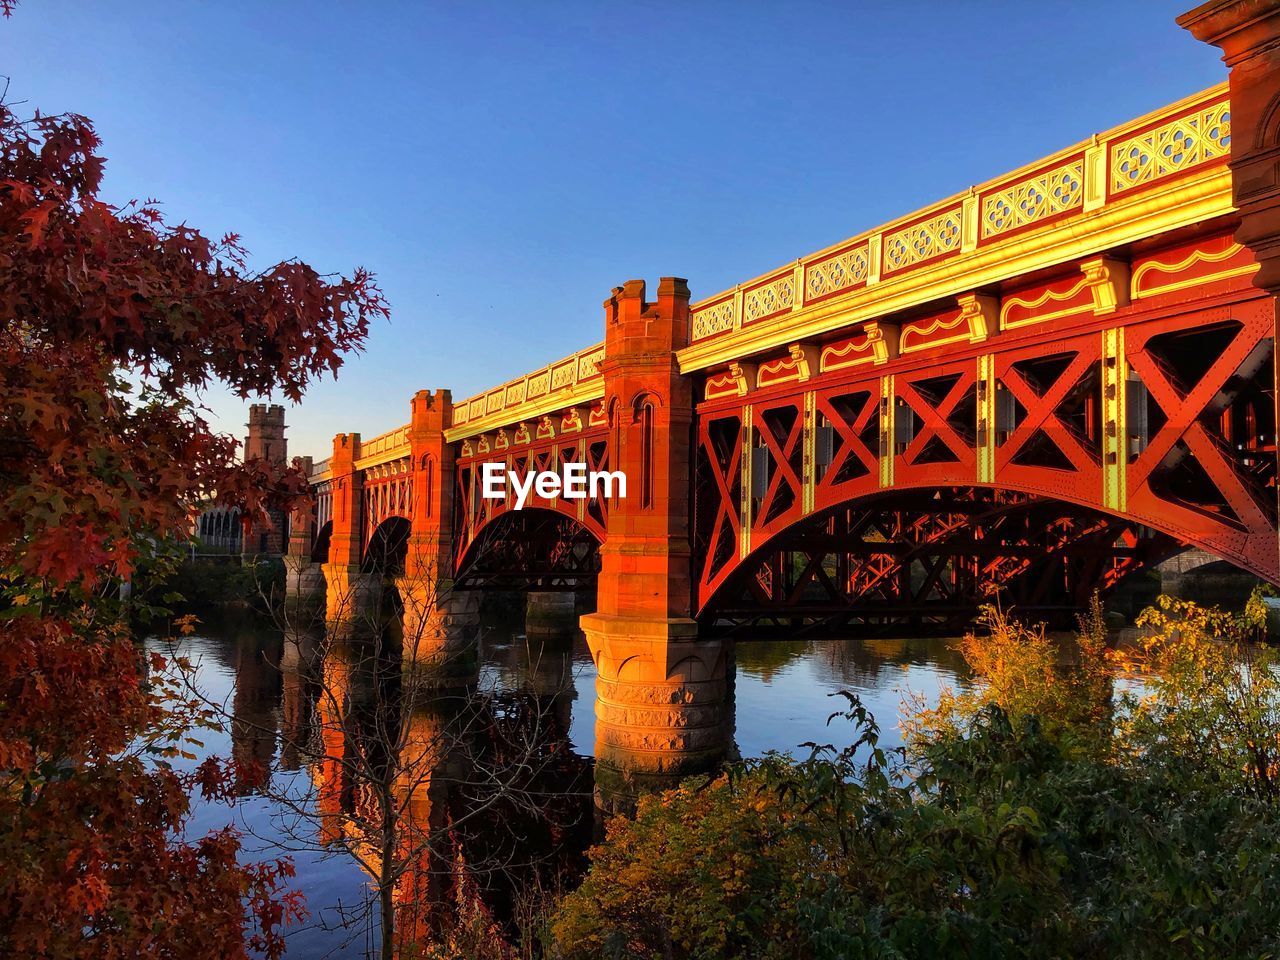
781 700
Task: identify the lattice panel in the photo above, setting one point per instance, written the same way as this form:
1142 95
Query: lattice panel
562 376
390 494
839 272
1172 147
717 318
1051 443
922 241
1207 468
718 498
587 364
768 299
473 512
1053 192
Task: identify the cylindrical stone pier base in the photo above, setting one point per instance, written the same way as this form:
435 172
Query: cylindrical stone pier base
549 614
351 599
440 629
304 583
662 705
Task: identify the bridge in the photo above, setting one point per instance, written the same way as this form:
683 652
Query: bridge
1038 387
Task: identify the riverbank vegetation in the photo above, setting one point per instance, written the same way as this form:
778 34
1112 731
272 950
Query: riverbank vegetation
1051 811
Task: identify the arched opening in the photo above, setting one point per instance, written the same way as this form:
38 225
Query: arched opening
387 548
531 549
320 548
923 561
644 417
220 529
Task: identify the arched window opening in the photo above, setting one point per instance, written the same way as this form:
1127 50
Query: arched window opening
646 454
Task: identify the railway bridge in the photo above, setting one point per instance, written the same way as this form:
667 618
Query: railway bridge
1035 388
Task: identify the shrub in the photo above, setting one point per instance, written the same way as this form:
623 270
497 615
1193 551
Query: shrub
1042 818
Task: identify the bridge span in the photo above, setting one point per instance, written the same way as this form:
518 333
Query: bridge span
1036 388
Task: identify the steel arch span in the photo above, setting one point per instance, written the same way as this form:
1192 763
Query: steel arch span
531 549
1164 420
924 560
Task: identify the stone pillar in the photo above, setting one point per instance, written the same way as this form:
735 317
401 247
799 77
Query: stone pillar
1248 34
304 580
549 614
440 623
660 690
351 596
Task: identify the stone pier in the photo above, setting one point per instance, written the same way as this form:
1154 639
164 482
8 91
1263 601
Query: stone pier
661 691
440 622
550 614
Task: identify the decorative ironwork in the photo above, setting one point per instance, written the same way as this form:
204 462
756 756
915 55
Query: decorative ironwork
1046 195
563 375
840 271
387 446
923 241
1179 144
716 318
769 298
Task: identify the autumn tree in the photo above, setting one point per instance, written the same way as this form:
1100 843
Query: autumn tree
114 321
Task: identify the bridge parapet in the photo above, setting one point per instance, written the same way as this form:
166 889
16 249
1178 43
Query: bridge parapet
392 445
575 379
1154 174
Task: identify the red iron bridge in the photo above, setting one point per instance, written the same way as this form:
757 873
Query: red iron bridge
1037 388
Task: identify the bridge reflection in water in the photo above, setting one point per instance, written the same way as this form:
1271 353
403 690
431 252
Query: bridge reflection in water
311 712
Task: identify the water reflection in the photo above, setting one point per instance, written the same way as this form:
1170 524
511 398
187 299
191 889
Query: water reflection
463 806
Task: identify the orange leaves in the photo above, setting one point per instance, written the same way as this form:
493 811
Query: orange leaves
112 317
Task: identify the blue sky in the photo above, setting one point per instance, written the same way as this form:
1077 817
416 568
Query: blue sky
501 166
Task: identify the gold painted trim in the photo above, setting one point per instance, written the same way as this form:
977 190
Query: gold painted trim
809 458
986 417
1196 256
1115 453
586 392
939 324
886 430
1039 301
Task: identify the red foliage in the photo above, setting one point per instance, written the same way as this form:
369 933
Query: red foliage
111 319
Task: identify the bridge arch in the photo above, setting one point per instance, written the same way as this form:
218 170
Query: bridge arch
530 549
1191 410
920 556
320 546
388 546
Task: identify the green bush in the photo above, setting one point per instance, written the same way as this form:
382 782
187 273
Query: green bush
998 833
202 584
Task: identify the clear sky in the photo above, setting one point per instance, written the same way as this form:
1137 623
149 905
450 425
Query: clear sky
501 166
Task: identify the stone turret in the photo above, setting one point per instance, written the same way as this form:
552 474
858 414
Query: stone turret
266 441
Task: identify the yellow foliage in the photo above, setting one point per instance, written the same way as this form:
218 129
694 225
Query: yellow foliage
1026 673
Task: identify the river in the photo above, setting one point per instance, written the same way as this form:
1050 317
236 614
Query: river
275 718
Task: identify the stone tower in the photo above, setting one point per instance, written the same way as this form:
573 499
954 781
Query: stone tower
266 441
